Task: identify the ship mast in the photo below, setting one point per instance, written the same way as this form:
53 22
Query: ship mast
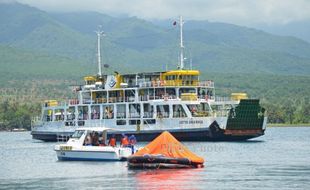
99 34
181 44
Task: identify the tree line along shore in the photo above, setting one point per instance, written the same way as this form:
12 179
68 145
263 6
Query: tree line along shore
16 116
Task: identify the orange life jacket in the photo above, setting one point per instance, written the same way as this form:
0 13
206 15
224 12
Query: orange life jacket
124 141
112 142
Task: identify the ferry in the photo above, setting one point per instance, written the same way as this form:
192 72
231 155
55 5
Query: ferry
147 103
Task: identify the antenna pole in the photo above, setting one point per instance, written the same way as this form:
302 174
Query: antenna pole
181 44
99 34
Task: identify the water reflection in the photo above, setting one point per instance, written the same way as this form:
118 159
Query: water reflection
168 178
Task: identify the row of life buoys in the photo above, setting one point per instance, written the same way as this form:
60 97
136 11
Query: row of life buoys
161 83
74 101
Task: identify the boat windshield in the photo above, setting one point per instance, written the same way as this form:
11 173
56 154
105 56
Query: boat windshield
77 134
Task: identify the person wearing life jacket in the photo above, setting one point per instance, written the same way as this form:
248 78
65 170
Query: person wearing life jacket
112 141
124 140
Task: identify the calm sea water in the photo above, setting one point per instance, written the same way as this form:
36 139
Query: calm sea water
280 159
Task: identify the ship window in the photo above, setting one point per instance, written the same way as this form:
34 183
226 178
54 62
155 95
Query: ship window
187 90
81 123
143 94
86 98
116 96
71 113
149 121
204 107
148 111
83 112
193 108
178 111
134 110
95 112
151 93
171 93
48 115
159 93
100 97
162 111
199 110
134 122
121 111
108 112
130 95
59 114
121 122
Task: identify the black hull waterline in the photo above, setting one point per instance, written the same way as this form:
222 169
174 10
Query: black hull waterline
201 134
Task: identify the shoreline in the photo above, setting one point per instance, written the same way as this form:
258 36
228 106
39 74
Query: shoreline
288 125
14 130
268 125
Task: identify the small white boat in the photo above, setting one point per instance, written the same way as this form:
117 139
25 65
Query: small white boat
77 148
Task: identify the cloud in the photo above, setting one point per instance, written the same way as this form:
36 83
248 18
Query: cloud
234 11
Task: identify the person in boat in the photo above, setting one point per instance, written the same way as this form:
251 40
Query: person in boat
132 142
124 140
88 140
112 141
95 139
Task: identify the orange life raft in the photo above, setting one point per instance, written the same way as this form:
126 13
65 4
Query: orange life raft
165 152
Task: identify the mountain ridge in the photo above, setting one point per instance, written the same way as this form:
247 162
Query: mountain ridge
142 44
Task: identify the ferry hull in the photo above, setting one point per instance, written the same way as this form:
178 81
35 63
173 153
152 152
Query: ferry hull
198 134
49 136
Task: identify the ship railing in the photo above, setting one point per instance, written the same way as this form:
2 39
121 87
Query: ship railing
145 84
159 83
115 99
121 115
222 99
162 114
130 99
36 122
220 113
144 98
201 113
148 115
164 97
57 104
73 102
88 101
134 115
100 100
83 116
206 97
207 83
179 114
95 115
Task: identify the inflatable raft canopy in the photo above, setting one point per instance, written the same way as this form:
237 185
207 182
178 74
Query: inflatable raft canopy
165 152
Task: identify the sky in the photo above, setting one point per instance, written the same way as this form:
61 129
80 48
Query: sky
241 12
